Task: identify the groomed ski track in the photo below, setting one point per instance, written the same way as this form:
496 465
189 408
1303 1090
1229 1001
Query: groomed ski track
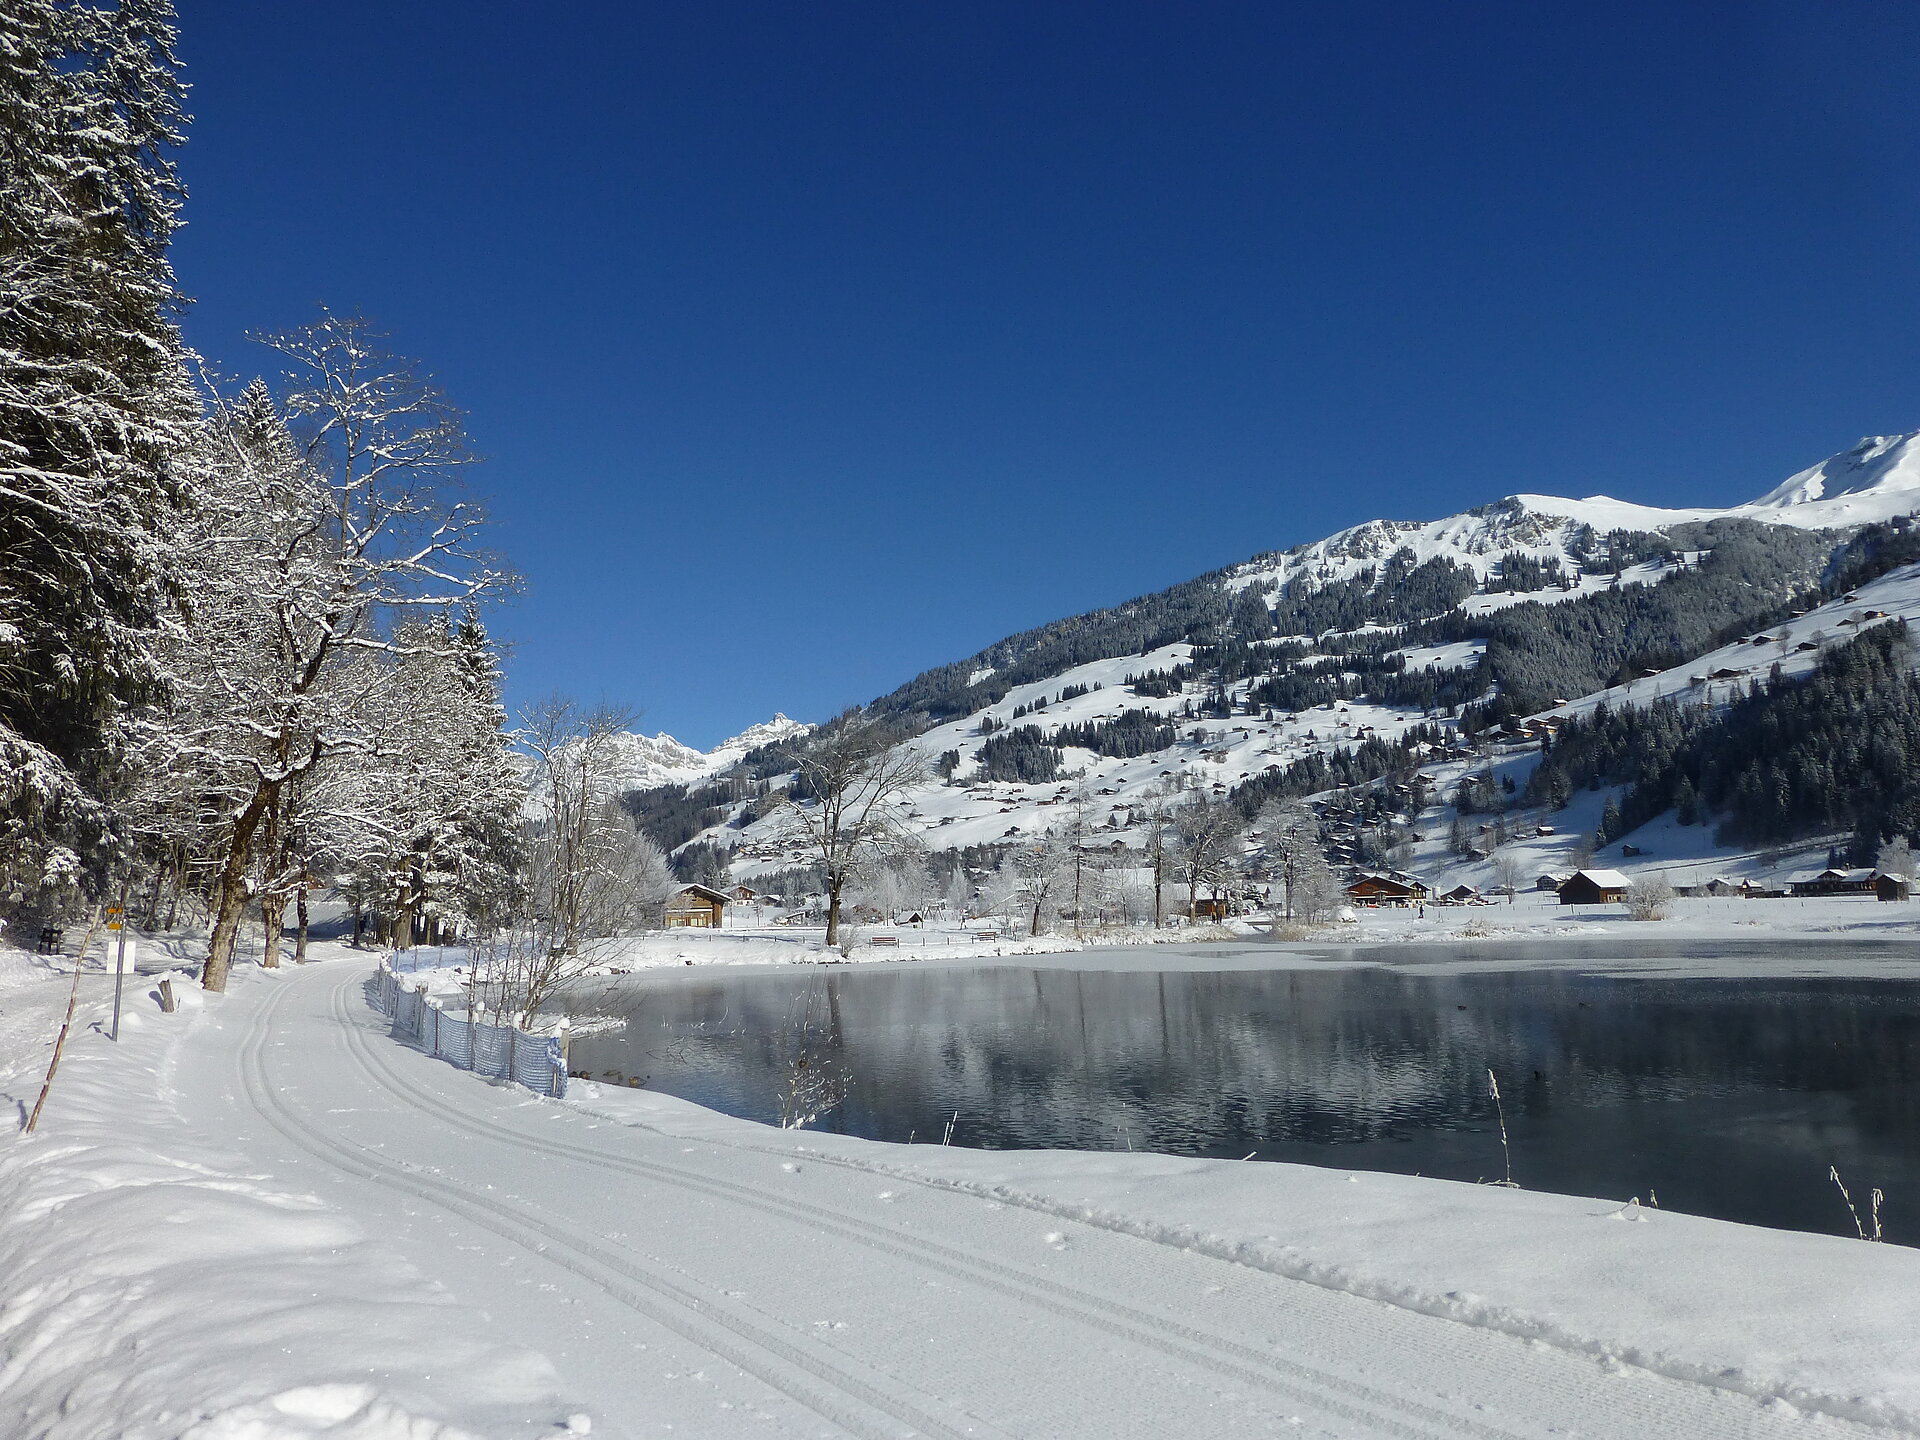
751 1286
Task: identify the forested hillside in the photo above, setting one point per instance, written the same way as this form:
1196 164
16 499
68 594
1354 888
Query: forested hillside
1837 751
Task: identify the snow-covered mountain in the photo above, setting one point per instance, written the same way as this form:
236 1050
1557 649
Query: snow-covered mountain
645 762
1242 682
767 732
1875 480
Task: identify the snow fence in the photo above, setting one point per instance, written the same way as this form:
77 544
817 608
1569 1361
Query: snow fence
499 1051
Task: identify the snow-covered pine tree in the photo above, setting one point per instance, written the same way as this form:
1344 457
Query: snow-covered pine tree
94 400
441 794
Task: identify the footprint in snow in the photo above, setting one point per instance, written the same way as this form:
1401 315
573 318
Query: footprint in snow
1055 1239
886 1195
790 1167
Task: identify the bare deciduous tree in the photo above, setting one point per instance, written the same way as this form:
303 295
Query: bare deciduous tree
1156 819
1290 845
844 804
1507 869
1041 870
313 547
591 877
1209 831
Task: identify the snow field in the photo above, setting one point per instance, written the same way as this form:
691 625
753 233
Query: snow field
157 1281
355 1241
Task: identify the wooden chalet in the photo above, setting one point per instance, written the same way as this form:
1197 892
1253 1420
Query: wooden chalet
1551 880
695 907
1459 895
1719 885
1889 886
1594 887
1376 890
1832 881
743 894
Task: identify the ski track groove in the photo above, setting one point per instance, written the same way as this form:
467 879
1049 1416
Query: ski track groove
1826 1407
1300 1383
692 1317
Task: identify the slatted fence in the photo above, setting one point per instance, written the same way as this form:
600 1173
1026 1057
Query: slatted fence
499 1051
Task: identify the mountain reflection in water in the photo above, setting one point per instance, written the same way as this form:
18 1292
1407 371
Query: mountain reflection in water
1722 1097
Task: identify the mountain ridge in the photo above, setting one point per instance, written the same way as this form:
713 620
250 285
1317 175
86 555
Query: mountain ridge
1339 661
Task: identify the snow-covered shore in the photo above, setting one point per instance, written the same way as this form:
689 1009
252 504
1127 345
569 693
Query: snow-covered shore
1529 916
1810 1321
261 1218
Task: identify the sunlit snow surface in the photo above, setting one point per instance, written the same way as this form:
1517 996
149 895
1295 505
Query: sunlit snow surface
263 1218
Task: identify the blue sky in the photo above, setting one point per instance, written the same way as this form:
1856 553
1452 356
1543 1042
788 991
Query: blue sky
812 344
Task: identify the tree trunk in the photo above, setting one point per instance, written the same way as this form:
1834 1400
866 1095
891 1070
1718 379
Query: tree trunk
300 935
359 924
273 920
153 895
833 911
230 892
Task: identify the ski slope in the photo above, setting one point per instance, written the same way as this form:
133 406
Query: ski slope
276 1222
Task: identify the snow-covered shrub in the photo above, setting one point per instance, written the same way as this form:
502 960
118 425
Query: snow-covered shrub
1649 898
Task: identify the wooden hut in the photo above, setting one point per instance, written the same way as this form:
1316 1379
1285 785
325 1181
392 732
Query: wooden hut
1594 887
695 907
1889 886
1718 885
1377 890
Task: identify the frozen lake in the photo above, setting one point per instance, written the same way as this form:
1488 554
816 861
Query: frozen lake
1726 1096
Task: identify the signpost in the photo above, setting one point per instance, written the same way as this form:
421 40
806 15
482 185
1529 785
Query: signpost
116 926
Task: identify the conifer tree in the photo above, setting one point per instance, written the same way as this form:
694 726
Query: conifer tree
94 402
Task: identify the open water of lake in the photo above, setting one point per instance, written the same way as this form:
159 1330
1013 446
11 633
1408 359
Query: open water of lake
1722 1097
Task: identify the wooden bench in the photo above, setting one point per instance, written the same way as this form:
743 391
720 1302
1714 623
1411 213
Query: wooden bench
51 937
884 940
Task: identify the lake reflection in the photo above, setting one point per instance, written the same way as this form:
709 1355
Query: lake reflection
1720 1097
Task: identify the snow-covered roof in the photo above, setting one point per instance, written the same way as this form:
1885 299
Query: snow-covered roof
1606 879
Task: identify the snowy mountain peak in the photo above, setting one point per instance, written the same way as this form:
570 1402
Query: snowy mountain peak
1876 479
767 732
643 761
647 761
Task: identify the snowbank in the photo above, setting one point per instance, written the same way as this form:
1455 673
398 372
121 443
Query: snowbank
154 1284
1822 1324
